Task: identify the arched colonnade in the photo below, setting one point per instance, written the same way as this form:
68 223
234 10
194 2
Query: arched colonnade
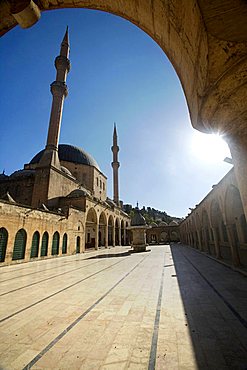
103 230
217 226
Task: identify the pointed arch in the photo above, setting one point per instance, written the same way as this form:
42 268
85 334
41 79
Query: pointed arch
19 245
44 244
78 244
91 236
110 230
3 243
117 231
64 244
35 245
55 244
102 229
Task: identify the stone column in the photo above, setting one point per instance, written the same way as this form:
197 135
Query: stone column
216 243
233 246
238 148
97 236
113 235
28 245
120 236
10 246
106 236
49 247
125 235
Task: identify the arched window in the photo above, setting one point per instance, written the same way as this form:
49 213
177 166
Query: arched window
20 245
55 244
44 244
224 232
78 244
35 245
3 243
64 245
243 227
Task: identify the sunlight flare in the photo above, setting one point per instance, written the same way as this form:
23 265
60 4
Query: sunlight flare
209 147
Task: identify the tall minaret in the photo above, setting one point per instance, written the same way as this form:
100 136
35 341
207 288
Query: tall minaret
59 92
115 165
46 185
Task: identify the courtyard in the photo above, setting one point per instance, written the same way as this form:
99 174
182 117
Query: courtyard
169 308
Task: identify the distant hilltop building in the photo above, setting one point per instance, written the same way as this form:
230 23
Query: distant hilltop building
58 203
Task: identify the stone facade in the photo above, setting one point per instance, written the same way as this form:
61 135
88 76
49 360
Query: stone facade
163 234
57 204
217 225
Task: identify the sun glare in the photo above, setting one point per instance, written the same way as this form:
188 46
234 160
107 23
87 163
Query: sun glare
209 148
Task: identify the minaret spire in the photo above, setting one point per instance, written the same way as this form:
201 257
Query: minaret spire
59 92
115 165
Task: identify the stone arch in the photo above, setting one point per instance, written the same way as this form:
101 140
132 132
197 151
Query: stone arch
19 245
205 231
163 237
216 219
110 231
55 244
35 245
78 244
185 45
64 243
117 231
122 233
174 236
102 229
3 243
44 244
91 233
236 224
198 221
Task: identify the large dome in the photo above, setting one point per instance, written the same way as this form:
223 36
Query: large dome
70 153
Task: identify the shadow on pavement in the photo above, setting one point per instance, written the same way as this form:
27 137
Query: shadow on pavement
110 255
219 338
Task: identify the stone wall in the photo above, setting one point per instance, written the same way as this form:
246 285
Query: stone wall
217 225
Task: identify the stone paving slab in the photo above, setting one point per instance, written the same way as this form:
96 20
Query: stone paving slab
170 308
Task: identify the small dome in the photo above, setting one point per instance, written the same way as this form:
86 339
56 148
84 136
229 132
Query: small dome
22 173
70 153
138 219
173 223
78 193
163 223
65 170
153 224
111 202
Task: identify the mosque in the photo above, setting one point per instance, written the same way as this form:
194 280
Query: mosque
58 204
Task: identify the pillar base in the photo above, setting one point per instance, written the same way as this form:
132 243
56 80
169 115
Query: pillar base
139 247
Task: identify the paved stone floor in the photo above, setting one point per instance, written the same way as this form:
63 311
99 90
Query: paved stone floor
170 308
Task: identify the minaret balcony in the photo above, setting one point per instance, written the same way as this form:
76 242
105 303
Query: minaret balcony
59 89
115 165
115 148
61 62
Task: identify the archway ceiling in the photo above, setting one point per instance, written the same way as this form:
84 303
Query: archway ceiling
206 41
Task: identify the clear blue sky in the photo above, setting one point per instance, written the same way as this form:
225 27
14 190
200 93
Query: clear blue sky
118 74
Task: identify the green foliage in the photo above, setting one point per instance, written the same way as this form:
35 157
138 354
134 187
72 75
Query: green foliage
151 214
